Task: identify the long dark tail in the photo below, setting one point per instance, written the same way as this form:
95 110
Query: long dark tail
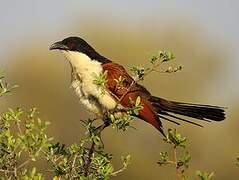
170 109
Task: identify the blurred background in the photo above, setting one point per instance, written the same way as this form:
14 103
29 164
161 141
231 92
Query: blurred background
202 34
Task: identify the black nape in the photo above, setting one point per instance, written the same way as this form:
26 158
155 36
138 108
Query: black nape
79 44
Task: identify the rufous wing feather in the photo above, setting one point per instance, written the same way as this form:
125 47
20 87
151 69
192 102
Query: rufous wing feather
147 113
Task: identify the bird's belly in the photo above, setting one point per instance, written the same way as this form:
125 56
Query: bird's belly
93 98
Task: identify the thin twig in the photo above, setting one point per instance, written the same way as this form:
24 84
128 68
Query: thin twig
176 162
10 178
92 149
23 164
87 166
73 162
15 172
5 170
118 171
154 68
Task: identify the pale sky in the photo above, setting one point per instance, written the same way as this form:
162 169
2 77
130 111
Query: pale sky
22 21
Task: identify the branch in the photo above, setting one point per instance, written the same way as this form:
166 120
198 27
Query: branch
87 166
139 78
176 161
92 149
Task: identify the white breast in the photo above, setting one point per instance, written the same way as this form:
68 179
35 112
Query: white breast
92 96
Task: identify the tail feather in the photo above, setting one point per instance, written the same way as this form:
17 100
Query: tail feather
201 112
167 119
181 119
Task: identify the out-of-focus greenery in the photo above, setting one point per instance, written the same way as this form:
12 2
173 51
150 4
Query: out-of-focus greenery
204 175
180 156
4 87
78 161
24 141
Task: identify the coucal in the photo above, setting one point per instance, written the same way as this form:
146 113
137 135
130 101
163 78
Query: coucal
87 64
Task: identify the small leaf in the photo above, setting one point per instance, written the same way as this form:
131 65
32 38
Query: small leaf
204 175
154 57
126 160
166 56
184 160
173 69
163 158
101 80
138 71
138 100
175 138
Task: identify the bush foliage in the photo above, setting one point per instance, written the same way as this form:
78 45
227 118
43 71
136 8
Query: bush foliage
24 141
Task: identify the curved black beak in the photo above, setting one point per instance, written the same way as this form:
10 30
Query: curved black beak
58 45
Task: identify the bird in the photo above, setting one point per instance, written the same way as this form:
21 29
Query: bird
87 64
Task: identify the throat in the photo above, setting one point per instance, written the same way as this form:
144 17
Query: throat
83 64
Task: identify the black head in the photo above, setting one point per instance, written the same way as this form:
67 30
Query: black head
80 45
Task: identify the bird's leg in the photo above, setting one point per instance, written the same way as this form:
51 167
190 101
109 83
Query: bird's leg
117 112
106 118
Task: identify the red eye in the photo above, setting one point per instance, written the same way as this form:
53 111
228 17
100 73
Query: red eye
72 46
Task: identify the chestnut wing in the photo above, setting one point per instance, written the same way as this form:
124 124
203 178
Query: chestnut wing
116 73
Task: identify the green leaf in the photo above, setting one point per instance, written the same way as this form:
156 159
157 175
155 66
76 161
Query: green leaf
4 87
119 82
184 160
154 57
175 138
204 175
121 122
126 160
137 71
163 158
32 175
101 80
138 101
173 69
166 56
